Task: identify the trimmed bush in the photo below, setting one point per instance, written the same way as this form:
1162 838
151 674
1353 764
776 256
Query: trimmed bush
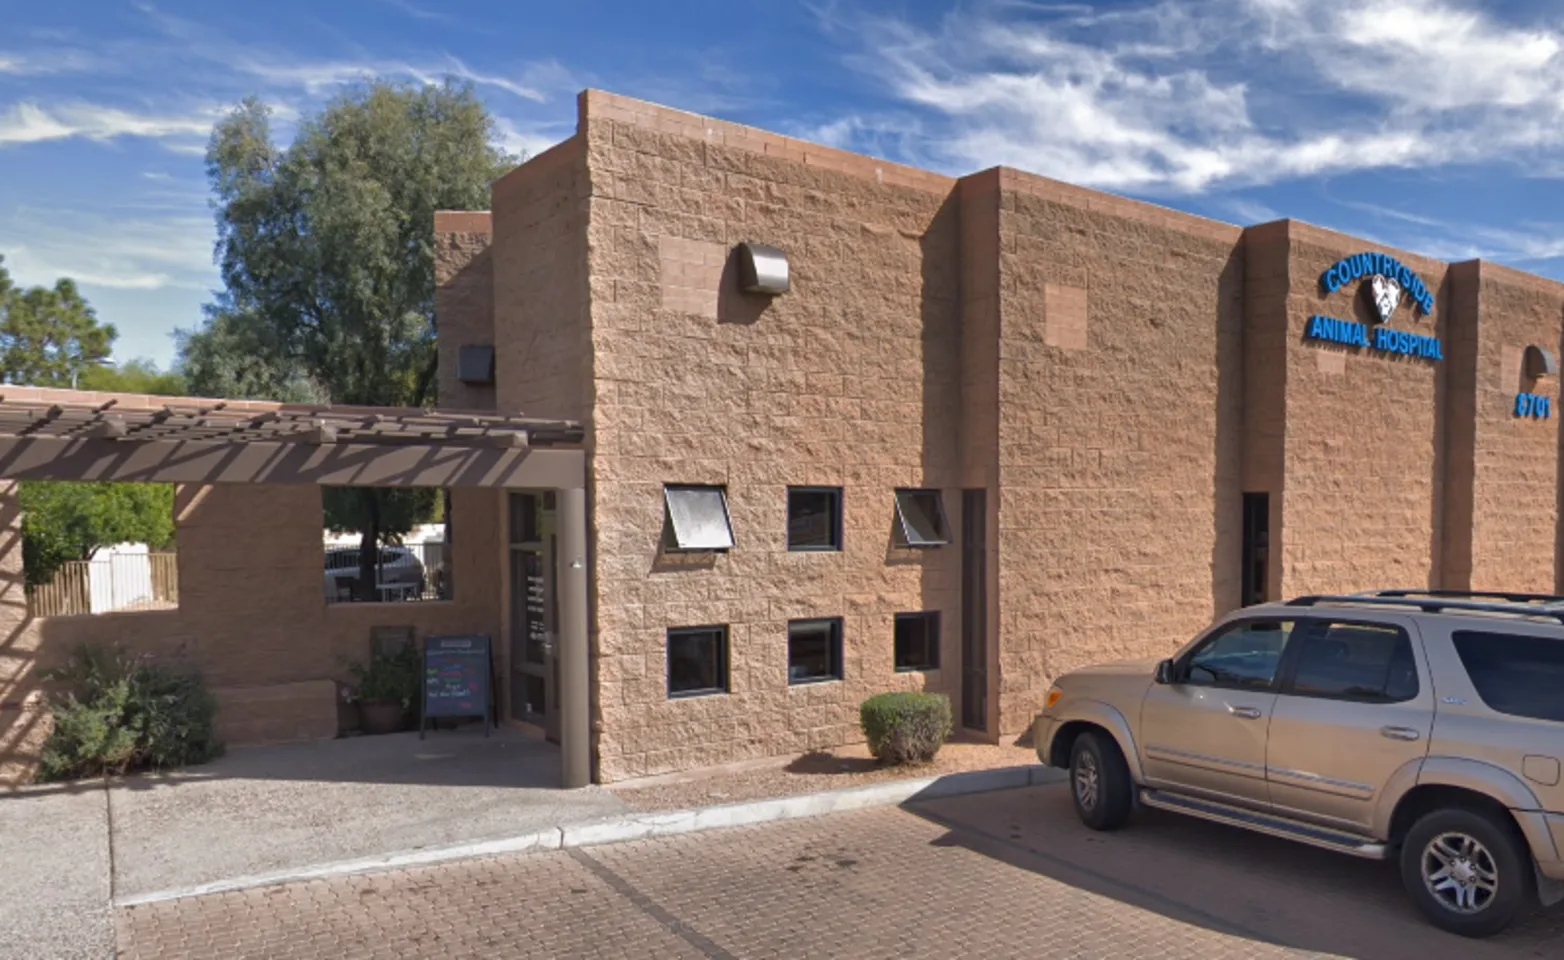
906 727
120 715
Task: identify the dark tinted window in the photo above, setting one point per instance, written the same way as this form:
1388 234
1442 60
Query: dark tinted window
1355 661
1246 655
1515 674
814 519
697 661
917 641
814 651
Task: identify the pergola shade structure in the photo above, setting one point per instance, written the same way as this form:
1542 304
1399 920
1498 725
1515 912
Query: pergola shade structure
67 435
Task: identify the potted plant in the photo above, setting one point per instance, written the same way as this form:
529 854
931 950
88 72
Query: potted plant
387 689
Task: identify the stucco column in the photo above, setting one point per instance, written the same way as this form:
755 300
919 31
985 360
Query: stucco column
575 686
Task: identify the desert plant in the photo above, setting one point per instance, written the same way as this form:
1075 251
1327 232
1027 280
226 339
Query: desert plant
906 727
121 713
389 677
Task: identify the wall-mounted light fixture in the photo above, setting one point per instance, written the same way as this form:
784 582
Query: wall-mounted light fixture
1540 363
762 269
475 365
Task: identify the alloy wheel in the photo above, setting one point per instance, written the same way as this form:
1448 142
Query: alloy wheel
1460 873
1087 781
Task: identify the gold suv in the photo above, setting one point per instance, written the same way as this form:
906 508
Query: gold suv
1422 725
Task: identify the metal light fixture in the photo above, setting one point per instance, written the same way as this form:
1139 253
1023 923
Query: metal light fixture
762 269
1540 363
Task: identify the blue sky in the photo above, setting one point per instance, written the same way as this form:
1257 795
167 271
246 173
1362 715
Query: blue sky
1431 125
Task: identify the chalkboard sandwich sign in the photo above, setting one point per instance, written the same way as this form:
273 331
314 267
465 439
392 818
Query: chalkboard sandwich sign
458 679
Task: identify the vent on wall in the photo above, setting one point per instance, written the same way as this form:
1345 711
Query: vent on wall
475 365
1540 363
762 269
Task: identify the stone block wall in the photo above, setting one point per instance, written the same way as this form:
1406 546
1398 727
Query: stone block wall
1363 482
852 380
463 301
1119 428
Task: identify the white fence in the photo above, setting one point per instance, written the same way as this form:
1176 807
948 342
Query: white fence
113 580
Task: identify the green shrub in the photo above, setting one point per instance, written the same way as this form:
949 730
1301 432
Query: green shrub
120 714
394 676
906 727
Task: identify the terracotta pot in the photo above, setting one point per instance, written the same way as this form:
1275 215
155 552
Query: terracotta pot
380 716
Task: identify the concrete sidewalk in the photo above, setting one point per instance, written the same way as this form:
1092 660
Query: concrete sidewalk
55 875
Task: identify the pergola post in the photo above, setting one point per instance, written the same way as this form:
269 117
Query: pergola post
575 693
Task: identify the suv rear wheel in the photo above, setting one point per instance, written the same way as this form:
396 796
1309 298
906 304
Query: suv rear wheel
1100 781
1467 872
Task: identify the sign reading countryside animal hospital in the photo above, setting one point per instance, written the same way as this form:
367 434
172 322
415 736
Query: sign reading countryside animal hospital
1385 281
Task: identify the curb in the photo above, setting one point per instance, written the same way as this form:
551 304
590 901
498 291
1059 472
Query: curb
637 826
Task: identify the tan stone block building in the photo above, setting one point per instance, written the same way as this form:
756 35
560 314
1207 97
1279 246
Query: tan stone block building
987 430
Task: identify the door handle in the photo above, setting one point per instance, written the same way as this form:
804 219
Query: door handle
1399 733
1248 713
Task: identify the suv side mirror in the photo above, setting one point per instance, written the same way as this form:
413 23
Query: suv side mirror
1165 672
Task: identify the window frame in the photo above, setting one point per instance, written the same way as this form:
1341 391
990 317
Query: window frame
933 623
1182 664
1292 655
836 651
941 518
724 661
670 538
836 544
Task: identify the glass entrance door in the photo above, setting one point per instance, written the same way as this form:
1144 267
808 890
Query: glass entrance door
534 669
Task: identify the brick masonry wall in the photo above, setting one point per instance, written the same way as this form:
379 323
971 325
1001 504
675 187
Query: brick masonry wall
252 617
1119 334
851 380
463 301
1267 287
542 365
1516 461
1362 480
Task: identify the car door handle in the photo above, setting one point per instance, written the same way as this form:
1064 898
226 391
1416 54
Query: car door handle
1248 713
1399 733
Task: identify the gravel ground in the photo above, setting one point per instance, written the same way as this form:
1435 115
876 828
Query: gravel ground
836 769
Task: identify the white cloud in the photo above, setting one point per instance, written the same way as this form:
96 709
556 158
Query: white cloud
29 122
129 253
1182 98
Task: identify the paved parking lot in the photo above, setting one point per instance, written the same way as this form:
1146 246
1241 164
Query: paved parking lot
997 875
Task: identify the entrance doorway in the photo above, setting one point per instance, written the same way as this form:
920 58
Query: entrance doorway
534 612
1256 548
974 610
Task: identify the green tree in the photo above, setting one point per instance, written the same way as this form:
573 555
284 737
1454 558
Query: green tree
62 522
135 376
326 249
48 335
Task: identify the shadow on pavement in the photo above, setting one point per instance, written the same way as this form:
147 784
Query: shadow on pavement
1223 879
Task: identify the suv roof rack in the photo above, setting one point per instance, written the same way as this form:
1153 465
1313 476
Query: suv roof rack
1429 602
1473 594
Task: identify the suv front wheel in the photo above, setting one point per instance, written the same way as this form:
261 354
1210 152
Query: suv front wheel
1100 781
1467 872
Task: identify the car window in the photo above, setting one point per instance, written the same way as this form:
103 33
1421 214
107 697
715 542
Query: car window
1517 674
1355 661
1245 655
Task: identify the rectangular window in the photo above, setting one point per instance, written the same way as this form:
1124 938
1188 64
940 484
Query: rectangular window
95 548
814 518
920 516
814 650
697 518
1518 674
917 641
1372 663
412 527
697 661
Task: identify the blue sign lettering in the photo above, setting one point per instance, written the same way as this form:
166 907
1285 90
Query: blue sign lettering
1350 333
1534 406
1361 265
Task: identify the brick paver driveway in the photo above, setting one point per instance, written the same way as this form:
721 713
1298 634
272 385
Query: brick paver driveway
999 875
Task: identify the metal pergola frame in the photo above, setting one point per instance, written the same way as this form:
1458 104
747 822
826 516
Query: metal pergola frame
71 435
